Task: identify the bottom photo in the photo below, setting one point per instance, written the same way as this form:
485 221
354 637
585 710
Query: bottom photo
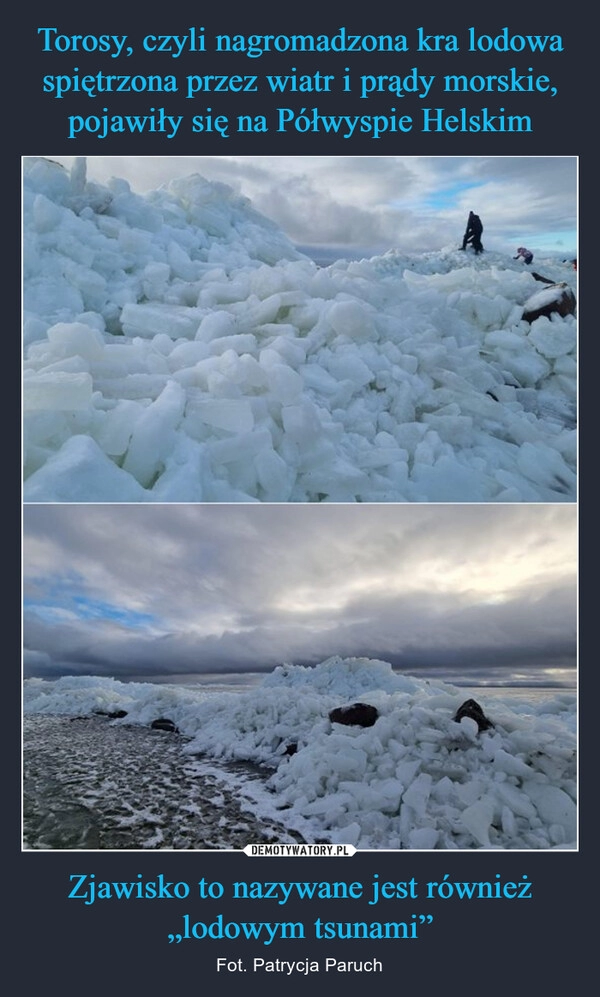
379 677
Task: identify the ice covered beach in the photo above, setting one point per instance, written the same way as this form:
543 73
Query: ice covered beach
416 779
178 348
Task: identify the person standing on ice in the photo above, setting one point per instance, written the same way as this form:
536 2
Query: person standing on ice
473 233
524 254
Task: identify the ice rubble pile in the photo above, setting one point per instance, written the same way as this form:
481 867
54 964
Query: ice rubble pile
416 779
179 348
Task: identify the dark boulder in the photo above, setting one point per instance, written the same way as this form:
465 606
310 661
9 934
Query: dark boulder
555 299
359 714
470 708
116 715
164 724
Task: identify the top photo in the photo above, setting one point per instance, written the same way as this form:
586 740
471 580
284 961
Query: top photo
299 329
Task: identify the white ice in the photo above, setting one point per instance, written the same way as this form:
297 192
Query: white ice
416 779
179 348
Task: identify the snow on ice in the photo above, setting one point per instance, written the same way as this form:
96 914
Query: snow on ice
416 779
178 348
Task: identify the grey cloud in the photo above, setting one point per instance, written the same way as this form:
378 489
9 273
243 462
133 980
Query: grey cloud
183 589
370 204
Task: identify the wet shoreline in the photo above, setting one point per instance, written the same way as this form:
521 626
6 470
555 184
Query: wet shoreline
91 784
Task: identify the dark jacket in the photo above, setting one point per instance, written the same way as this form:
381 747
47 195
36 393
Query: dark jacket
473 232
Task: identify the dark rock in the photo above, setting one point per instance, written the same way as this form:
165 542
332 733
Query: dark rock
164 724
117 715
291 749
470 708
358 713
556 299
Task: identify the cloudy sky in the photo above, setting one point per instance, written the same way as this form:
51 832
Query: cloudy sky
166 593
363 205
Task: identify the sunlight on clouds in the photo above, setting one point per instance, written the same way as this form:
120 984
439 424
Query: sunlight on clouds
327 596
558 676
494 579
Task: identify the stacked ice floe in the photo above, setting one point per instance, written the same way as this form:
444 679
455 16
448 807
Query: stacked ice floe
178 348
415 779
